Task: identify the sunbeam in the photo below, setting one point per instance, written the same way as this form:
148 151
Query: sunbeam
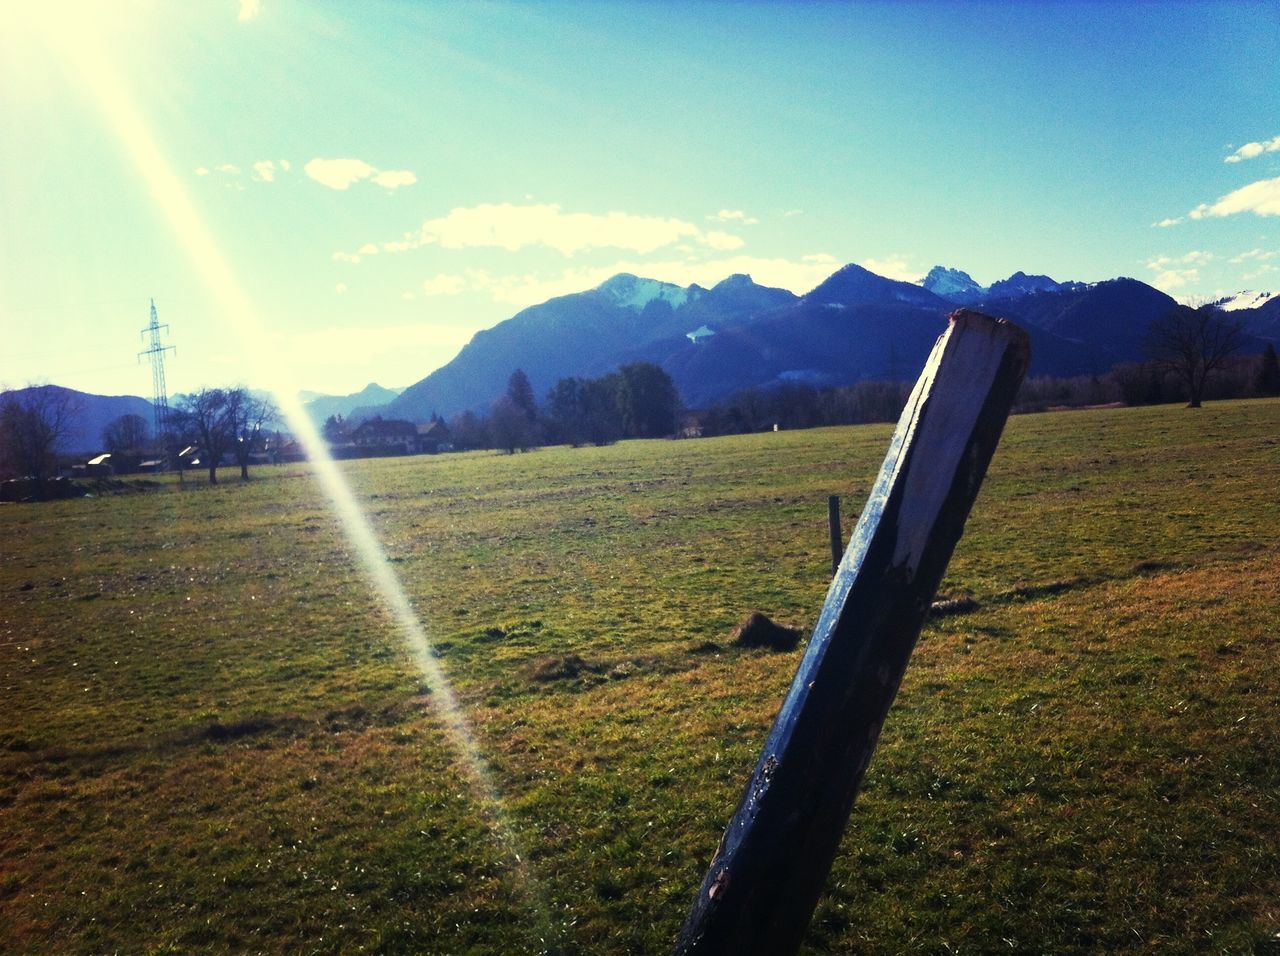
80 50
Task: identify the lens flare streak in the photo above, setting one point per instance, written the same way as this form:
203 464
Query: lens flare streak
89 59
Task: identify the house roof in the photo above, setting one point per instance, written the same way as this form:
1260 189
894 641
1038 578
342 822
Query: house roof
436 429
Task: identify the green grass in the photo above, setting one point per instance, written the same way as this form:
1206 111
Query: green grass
212 738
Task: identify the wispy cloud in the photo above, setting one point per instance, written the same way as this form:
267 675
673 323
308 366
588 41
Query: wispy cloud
249 9
513 227
445 285
1166 223
1255 255
262 171
343 173
1166 280
1251 150
733 215
394 178
893 267
1261 198
1177 272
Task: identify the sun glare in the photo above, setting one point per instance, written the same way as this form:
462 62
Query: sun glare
79 47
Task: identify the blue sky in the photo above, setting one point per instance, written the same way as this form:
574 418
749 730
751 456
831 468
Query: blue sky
380 180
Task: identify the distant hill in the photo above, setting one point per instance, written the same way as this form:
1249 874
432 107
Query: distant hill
587 333
320 407
90 415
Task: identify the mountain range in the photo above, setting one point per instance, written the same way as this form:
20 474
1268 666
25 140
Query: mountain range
737 334
854 326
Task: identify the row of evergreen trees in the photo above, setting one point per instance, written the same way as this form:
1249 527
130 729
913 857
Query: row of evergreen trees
639 400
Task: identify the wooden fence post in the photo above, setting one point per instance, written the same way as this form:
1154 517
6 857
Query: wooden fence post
772 863
833 524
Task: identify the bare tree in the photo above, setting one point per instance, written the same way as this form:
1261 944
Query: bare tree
125 434
206 419
251 416
33 421
224 421
1193 344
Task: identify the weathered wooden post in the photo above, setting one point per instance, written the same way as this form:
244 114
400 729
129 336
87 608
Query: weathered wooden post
765 879
833 525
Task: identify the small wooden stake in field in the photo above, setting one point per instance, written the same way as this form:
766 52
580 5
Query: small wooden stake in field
833 525
773 860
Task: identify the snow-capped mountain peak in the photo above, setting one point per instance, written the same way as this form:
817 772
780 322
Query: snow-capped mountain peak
1245 300
959 287
949 283
633 292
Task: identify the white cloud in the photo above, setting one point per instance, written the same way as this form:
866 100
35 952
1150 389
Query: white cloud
1169 279
202 171
342 173
407 296
351 257
511 227
1176 272
1195 257
284 164
1261 198
894 267
733 215
368 249
338 173
228 168
444 285
1166 223
1259 255
249 9
264 171
1251 150
723 241
340 288
392 178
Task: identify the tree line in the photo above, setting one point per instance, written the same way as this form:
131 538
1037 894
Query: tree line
214 423
639 400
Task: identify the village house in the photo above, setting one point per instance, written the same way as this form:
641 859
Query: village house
386 436
433 437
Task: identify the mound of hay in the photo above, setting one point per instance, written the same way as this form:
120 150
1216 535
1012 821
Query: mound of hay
756 630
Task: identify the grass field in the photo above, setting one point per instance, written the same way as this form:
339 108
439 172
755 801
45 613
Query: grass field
212 738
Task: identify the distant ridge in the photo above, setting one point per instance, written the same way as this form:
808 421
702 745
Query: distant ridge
321 407
91 414
852 326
